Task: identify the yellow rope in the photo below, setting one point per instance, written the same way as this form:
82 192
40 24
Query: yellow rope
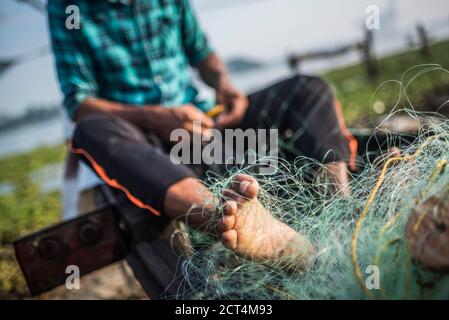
377 260
387 225
355 235
441 166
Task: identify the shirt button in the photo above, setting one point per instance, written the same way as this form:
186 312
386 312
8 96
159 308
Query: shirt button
158 79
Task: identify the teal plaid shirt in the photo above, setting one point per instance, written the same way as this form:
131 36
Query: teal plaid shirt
133 52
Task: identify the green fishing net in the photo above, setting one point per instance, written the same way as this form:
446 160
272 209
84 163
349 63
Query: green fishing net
361 248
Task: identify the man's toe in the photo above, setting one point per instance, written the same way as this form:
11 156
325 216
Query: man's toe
226 223
229 239
246 185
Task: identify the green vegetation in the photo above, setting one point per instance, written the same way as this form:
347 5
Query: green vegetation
25 207
356 91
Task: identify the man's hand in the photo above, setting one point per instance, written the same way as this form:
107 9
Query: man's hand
235 103
153 118
213 72
163 121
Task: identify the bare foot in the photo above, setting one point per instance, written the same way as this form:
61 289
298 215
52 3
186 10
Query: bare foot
392 152
337 175
337 172
252 232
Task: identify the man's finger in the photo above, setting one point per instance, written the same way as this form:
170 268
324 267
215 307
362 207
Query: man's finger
223 120
198 115
195 129
206 121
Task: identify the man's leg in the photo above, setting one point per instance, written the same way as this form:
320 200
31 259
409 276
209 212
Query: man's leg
123 158
308 115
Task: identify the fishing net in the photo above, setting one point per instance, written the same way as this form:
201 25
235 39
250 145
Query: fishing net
362 250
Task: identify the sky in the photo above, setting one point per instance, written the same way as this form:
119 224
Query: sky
262 29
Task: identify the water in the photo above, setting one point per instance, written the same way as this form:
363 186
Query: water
27 137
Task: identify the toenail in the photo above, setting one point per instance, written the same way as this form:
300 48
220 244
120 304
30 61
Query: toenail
244 185
231 205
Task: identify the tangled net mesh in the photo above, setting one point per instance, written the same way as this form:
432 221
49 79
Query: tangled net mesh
350 233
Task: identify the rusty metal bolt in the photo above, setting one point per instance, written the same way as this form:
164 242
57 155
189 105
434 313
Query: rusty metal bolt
90 233
50 248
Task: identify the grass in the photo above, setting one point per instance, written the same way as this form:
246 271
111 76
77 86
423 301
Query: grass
356 91
25 207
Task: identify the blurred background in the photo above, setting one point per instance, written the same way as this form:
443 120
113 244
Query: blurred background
260 40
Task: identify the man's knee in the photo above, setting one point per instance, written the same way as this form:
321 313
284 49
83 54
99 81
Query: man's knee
100 128
87 128
310 93
308 89
317 85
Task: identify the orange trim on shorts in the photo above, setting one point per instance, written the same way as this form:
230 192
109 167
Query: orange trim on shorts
112 182
353 144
